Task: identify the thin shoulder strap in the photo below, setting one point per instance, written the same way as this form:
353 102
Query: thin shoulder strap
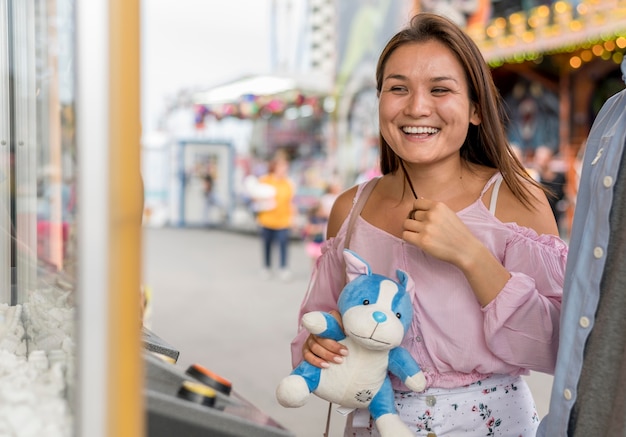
494 195
357 208
354 213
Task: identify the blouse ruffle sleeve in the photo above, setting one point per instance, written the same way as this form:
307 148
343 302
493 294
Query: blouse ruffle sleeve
327 281
522 323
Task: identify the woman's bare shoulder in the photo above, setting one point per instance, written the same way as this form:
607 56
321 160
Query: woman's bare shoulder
538 215
340 210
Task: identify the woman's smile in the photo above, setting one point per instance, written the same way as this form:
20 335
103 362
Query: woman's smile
420 130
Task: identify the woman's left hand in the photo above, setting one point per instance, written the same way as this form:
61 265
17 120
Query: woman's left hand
437 230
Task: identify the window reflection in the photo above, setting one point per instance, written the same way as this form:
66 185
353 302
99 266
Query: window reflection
38 192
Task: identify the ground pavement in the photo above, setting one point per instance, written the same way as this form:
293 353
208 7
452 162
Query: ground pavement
210 303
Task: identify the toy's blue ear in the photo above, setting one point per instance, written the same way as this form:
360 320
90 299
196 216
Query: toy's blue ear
355 265
405 280
402 277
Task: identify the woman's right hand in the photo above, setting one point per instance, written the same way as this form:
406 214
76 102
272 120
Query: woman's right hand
320 352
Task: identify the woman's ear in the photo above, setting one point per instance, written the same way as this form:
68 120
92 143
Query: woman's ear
475 115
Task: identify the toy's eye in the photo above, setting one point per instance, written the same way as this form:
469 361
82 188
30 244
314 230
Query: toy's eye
366 302
398 315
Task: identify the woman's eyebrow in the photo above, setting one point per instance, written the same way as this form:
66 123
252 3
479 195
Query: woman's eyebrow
434 79
396 76
443 79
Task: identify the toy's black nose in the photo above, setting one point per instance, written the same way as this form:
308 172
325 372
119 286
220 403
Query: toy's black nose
380 317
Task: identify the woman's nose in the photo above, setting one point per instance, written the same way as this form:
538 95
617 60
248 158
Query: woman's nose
418 105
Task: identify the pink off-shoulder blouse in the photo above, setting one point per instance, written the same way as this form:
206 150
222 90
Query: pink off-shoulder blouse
454 339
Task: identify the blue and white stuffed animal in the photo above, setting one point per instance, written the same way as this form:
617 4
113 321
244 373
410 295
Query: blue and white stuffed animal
376 313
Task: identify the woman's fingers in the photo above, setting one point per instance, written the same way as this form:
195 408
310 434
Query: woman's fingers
436 229
320 352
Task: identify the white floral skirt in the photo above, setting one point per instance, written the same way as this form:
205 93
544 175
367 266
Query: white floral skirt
501 405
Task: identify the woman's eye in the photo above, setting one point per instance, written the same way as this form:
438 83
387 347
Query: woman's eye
397 89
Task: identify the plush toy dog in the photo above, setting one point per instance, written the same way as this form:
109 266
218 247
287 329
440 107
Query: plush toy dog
376 313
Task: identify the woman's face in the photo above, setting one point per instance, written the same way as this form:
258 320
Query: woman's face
424 105
281 167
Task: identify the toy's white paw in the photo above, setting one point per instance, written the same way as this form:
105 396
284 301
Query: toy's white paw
292 391
416 382
314 322
390 425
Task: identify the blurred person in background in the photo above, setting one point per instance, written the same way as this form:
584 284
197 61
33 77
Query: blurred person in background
276 221
553 180
329 196
211 201
315 231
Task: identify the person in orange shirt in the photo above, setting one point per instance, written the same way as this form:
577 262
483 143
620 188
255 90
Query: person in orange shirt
275 222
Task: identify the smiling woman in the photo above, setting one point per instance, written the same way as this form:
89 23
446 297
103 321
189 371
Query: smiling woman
480 242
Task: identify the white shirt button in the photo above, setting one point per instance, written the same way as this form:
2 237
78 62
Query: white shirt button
431 401
418 339
584 322
607 181
567 394
598 252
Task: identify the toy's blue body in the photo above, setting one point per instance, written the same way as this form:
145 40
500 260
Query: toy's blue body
376 313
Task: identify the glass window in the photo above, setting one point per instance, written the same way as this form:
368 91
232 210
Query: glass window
38 210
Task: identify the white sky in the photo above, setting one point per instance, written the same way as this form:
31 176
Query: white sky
199 44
